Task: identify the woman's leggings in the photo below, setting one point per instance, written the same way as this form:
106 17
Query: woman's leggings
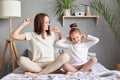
45 67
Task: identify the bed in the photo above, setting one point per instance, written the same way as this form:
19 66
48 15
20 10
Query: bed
99 73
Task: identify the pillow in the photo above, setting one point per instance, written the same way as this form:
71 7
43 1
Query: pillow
90 55
29 54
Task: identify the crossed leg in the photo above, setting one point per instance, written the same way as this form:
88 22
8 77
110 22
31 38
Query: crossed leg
87 67
69 69
56 64
49 68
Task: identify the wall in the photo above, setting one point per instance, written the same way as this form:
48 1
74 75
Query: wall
107 49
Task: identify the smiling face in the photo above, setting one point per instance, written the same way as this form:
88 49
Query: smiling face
42 24
75 37
46 23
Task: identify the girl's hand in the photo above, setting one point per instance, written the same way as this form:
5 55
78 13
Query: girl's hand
68 38
27 21
57 30
83 36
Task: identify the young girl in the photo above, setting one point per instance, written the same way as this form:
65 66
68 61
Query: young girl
78 50
41 43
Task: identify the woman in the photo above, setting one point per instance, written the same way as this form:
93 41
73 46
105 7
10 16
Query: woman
41 42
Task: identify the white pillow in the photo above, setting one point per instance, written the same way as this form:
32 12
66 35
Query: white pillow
90 55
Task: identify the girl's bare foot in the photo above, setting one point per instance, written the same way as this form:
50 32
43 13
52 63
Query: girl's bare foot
69 73
90 70
41 73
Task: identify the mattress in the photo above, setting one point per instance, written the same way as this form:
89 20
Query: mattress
99 73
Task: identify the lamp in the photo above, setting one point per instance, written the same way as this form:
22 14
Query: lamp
10 9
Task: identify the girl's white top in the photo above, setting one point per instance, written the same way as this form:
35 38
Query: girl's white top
78 52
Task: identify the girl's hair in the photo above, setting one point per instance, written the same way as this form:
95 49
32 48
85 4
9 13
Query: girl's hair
73 25
74 28
39 25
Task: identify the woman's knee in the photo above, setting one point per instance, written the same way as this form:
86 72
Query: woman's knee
65 57
22 60
28 65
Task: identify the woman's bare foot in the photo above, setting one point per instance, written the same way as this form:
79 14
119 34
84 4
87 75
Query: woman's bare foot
31 74
41 73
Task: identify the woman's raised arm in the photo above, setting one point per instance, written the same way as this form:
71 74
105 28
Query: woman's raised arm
58 31
16 33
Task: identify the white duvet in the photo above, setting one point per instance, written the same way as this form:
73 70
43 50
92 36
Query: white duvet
99 73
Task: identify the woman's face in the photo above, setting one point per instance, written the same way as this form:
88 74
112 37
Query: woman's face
46 23
75 37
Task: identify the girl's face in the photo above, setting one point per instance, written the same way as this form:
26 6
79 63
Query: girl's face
76 37
46 23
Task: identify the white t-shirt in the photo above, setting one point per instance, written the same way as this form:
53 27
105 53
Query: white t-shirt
78 52
41 49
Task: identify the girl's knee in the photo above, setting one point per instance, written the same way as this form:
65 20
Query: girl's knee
94 59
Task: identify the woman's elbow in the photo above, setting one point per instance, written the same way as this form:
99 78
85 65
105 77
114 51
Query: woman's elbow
13 36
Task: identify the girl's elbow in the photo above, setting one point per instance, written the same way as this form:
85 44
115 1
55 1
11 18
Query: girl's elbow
97 40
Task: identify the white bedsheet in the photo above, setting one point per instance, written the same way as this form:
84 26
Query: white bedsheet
99 73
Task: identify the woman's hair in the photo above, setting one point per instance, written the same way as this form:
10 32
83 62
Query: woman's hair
74 28
39 25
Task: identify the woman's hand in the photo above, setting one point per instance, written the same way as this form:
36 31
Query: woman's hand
27 21
57 30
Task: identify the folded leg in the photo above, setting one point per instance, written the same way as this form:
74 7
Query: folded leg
28 65
56 64
89 65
